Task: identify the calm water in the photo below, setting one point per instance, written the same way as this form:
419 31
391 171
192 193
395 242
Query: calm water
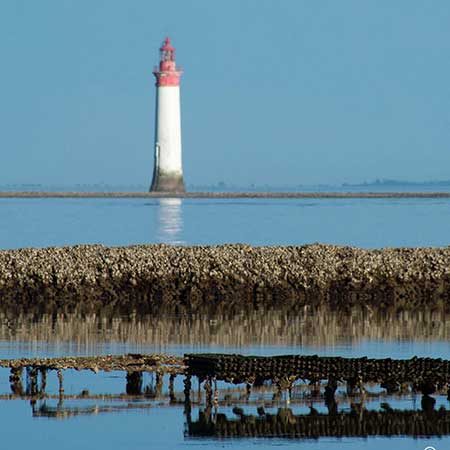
361 222
95 423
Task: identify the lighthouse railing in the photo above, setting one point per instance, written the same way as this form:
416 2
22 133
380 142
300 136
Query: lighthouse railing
178 69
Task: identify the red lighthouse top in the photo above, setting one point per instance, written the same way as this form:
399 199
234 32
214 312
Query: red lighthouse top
167 73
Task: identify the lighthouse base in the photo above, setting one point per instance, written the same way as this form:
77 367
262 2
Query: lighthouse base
167 183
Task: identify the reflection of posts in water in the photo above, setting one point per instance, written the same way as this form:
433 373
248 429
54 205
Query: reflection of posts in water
216 394
43 380
60 380
15 380
134 383
158 384
330 400
32 376
59 407
330 389
171 388
187 396
248 391
427 403
208 391
153 389
359 422
32 381
170 220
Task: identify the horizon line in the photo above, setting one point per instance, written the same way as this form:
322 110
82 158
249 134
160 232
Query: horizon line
222 195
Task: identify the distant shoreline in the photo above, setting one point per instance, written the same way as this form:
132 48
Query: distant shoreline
222 195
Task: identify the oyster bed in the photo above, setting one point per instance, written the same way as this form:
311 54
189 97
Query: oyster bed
149 278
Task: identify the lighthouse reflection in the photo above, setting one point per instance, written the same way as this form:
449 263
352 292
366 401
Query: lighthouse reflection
170 221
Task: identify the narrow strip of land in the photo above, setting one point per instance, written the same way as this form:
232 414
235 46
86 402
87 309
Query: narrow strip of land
161 278
222 195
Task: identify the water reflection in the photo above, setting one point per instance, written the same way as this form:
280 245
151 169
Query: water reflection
260 327
303 418
170 221
305 414
358 422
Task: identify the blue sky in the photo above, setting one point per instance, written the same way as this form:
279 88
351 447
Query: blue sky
279 92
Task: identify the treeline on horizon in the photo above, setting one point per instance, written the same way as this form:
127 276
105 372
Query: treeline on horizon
378 182
393 182
219 186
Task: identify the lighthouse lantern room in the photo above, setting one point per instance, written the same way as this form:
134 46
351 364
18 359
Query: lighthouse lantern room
167 171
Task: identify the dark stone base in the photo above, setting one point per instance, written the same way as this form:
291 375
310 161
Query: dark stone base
167 183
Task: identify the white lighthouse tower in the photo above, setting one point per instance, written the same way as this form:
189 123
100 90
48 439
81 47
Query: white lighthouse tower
168 171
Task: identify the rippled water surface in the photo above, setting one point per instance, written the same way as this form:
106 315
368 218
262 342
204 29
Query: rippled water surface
114 421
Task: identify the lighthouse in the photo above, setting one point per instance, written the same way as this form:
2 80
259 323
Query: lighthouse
167 171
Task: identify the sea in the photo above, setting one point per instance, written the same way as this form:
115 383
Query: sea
95 412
